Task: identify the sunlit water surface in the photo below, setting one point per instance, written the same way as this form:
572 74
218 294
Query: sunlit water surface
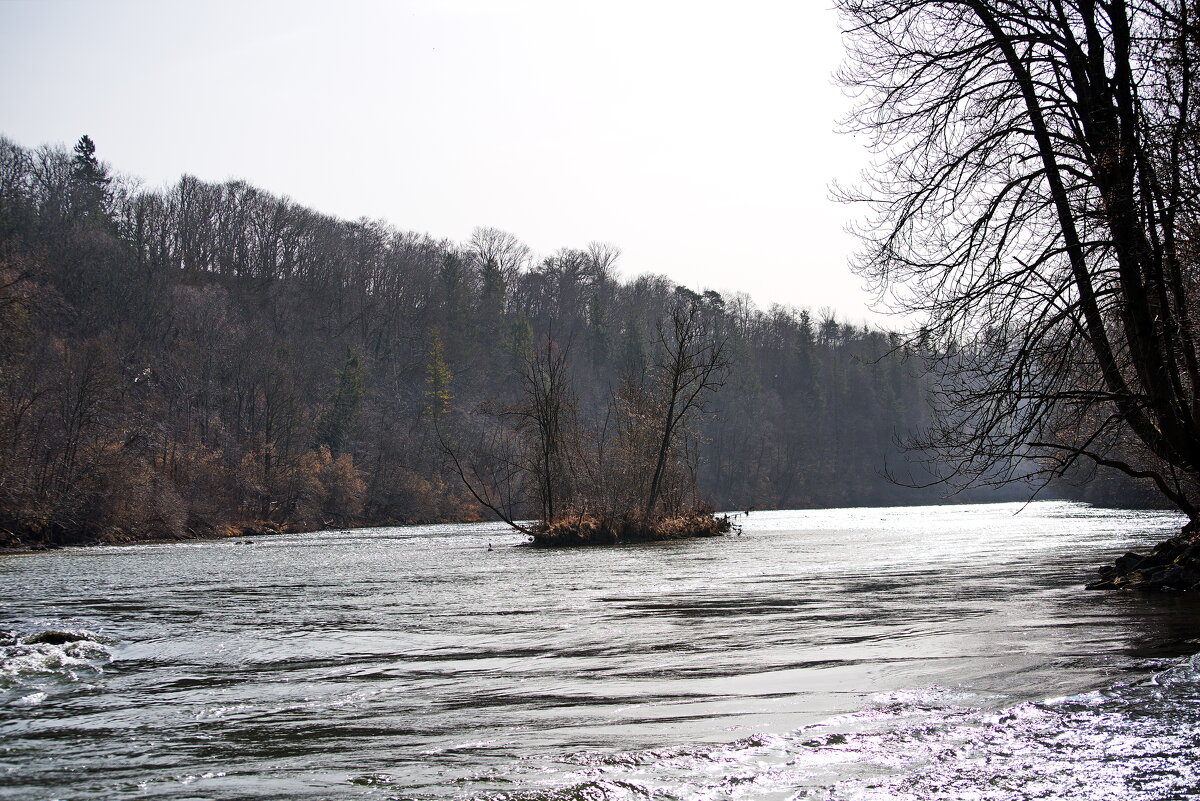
945 652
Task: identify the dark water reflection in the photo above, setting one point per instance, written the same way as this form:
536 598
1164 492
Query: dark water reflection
836 654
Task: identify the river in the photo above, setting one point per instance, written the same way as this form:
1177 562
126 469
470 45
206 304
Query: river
924 653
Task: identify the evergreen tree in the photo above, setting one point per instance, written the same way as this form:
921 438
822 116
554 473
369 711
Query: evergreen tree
89 179
437 378
336 423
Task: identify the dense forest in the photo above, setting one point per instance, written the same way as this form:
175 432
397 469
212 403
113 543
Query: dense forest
209 357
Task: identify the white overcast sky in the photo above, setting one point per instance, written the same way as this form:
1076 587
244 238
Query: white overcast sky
698 137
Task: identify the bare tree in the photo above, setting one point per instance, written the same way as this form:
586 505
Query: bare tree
546 417
1033 205
524 459
692 367
499 252
603 258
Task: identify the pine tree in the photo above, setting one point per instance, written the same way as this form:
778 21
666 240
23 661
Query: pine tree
89 179
336 423
437 378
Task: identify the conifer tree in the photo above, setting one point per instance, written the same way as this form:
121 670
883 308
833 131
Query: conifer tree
336 424
89 178
437 378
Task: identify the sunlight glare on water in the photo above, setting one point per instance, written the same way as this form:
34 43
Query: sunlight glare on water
937 652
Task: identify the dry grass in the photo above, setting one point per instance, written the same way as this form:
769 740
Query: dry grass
585 529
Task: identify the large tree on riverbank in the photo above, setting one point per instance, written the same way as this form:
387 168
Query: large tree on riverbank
1035 203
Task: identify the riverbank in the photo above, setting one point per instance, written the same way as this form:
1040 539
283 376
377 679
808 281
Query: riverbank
1171 566
29 542
571 531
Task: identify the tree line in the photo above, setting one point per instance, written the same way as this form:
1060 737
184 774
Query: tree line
211 356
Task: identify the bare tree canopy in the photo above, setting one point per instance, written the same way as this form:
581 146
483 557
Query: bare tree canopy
1035 204
693 366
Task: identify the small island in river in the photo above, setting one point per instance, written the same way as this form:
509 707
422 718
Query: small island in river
631 480
587 529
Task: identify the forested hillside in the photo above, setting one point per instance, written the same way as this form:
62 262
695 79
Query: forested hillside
209 356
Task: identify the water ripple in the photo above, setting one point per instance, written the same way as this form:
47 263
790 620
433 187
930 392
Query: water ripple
863 653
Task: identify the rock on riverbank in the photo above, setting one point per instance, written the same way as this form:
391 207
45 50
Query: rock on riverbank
1172 566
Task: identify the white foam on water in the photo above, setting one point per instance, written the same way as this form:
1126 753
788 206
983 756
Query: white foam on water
54 654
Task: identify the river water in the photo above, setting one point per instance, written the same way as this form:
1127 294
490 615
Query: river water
925 653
